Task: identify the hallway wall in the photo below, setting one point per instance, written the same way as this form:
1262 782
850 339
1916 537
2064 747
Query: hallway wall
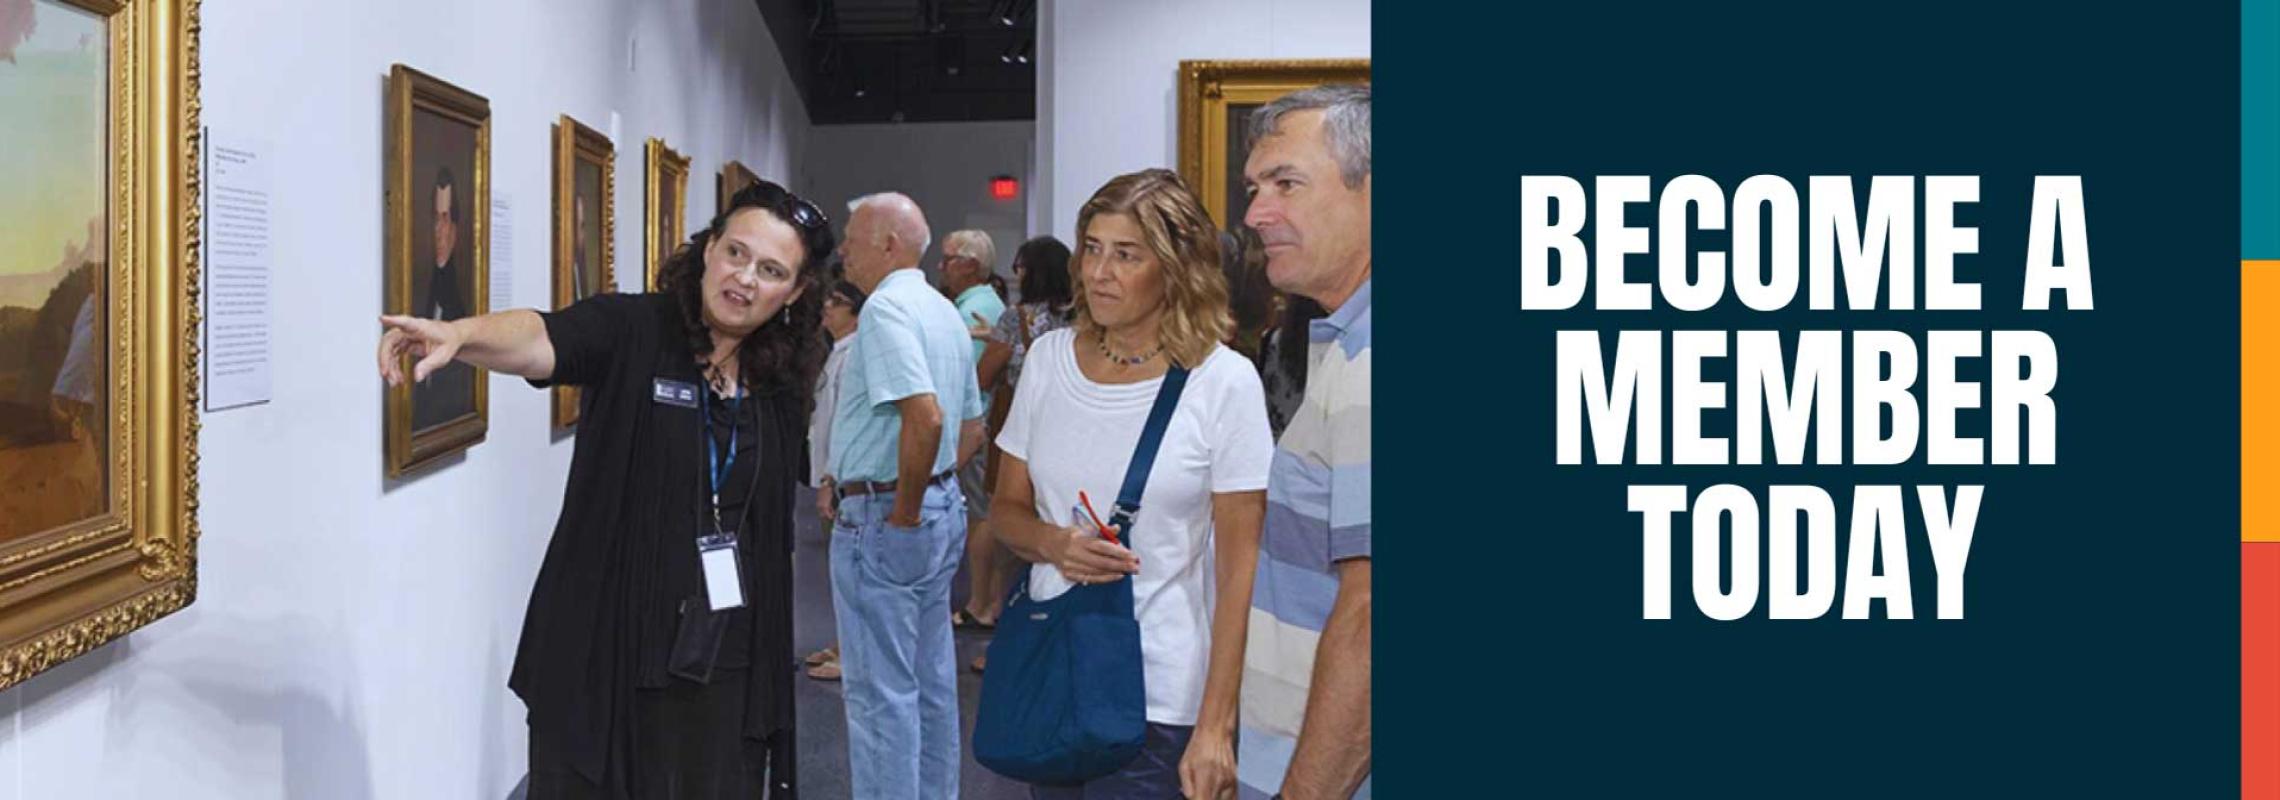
944 166
1107 90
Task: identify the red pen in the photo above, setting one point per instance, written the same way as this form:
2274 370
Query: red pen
1105 531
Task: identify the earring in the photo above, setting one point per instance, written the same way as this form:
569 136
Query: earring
787 315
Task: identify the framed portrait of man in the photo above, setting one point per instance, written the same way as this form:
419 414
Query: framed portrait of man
438 267
667 204
585 228
1216 101
734 177
98 275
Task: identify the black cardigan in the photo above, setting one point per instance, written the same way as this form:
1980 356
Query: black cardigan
623 555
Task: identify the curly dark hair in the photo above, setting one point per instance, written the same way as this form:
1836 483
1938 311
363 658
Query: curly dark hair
786 353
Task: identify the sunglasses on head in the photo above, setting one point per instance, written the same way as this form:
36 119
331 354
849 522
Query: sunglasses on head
804 214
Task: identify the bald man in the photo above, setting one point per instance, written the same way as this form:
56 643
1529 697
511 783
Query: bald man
908 412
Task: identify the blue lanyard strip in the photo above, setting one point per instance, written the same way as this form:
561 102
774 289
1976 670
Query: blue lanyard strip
718 466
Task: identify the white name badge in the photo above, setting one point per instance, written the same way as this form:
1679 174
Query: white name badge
724 586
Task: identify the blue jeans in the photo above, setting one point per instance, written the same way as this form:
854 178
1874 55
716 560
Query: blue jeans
890 587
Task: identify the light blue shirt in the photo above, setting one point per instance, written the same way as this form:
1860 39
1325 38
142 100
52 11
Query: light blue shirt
909 341
980 301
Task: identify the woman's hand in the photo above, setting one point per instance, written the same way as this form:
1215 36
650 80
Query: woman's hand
1083 557
980 329
1207 769
434 342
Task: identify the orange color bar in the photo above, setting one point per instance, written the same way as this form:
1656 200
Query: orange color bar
2260 401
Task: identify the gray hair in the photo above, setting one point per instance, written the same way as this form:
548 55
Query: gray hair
974 244
1345 123
904 219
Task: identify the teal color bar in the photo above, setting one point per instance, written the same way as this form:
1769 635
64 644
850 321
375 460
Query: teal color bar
2260 129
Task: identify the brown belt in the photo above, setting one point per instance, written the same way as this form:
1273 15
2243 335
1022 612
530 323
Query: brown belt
862 488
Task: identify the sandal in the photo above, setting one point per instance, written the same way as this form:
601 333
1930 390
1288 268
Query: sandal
964 620
980 661
826 671
823 656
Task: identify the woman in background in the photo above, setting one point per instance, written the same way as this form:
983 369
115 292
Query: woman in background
1042 266
841 310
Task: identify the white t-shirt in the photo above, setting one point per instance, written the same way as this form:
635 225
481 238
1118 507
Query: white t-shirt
1076 434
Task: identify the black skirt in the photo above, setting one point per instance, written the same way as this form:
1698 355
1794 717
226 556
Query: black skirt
689 744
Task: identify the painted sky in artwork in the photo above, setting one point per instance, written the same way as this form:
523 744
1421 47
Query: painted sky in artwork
52 177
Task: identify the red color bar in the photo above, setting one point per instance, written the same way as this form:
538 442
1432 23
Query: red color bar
2260 669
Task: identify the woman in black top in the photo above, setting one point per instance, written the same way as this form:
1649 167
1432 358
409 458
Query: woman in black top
692 433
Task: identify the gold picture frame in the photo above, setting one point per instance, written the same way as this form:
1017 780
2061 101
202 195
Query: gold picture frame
734 177
1215 96
665 211
430 123
585 252
71 587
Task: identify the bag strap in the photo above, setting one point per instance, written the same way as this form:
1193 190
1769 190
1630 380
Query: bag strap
1144 455
1135 477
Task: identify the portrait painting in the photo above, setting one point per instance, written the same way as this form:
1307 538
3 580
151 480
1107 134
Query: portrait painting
97 376
1216 101
585 223
734 177
668 181
438 261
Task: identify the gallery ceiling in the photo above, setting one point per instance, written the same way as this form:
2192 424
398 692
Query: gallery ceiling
863 61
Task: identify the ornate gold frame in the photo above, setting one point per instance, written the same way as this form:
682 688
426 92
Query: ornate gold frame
734 176
668 181
409 89
69 590
574 142
1207 88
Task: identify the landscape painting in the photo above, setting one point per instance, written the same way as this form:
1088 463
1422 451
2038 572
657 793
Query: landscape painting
55 333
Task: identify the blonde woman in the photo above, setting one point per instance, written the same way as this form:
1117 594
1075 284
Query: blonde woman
1148 294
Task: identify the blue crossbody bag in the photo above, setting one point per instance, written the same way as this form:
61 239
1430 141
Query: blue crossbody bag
1063 700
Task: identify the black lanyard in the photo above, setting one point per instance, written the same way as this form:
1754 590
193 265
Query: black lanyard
717 467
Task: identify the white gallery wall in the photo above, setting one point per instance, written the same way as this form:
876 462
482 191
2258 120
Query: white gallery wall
945 166
352 635
1107 78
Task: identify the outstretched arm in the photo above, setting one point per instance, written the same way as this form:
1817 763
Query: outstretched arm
513 342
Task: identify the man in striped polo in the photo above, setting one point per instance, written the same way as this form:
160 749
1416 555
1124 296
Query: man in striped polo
1306 679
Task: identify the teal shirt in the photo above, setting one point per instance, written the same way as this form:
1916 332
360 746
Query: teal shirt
909 342
981 301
